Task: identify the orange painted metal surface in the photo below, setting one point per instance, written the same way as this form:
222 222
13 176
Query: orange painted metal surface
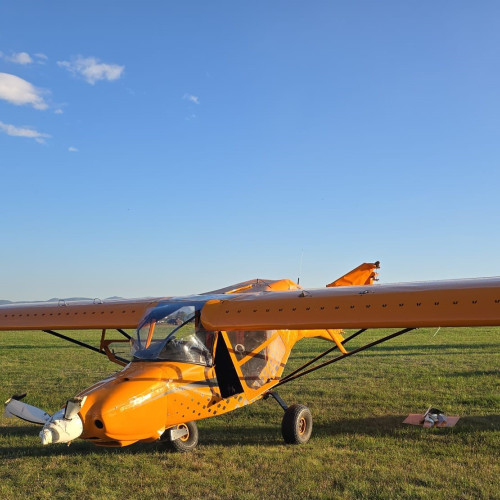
362 275
145 398
257 285
74 315
474 302
141 401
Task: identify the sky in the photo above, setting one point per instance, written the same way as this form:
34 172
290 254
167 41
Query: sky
166 148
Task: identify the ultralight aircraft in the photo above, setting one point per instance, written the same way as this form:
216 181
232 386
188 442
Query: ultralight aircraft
200 356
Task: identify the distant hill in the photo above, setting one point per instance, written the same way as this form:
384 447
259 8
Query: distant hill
67 299
54 299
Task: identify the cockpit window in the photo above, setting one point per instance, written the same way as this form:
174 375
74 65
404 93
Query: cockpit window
173 336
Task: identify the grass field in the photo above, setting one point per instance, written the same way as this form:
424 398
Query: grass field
359 447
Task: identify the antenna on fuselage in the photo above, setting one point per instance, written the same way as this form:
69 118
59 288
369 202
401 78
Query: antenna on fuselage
300 266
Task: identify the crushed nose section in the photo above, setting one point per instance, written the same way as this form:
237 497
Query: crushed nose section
61 430
14 407
65 425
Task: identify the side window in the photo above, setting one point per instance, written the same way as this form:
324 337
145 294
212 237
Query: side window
259 354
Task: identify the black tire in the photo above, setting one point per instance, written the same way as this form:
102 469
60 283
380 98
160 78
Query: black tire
188 442
297 425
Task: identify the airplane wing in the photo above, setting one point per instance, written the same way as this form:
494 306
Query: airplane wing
90 314
263 305
127 313
75 315
281 305
469 302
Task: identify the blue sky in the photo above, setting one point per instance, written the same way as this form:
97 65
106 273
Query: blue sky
163 148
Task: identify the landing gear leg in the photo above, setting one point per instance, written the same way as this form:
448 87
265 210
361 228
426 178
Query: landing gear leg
277 398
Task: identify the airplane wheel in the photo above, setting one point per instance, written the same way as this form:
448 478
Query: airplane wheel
297 424
188 442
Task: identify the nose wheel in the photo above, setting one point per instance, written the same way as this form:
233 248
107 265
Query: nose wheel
187 440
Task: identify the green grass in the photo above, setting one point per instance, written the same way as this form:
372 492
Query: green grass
359 448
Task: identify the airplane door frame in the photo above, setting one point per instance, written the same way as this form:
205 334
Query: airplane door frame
227 371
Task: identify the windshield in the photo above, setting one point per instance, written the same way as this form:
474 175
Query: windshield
173 334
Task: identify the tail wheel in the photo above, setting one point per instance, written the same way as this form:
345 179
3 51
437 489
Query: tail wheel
297 424
187 442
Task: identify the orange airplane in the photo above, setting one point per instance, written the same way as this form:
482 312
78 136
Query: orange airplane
204 355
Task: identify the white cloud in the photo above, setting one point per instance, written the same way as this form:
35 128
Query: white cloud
73 150
24 58
19 92
92 69
192 98
19 58
59 111
28 132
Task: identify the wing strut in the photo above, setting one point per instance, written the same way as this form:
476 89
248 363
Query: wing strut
124 333
83 344
299 372
324 354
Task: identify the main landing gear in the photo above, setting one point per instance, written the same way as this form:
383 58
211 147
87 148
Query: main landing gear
297 424
296 428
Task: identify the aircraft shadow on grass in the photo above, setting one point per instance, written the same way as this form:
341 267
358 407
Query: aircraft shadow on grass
474 373
393 424
232 435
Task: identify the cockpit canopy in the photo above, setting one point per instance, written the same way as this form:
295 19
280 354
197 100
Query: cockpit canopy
173 332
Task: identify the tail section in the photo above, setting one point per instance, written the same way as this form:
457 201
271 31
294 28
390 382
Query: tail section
362 275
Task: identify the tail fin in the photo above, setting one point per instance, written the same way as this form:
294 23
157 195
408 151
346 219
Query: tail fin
362 275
